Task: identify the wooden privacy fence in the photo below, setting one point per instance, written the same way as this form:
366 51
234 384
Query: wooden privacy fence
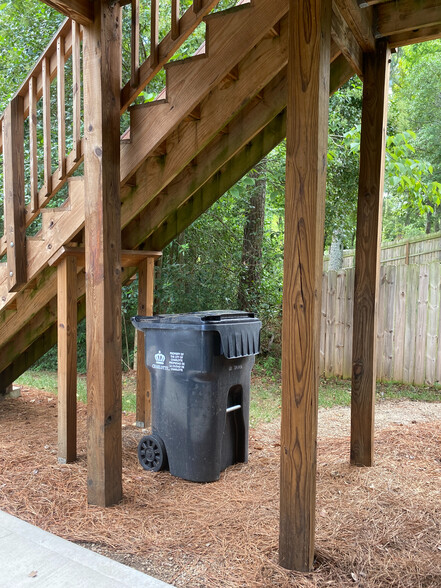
423 249
409 323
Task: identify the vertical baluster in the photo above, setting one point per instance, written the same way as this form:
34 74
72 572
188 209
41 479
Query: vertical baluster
197 5
13 170
76 90
154 32
33 143
61 109
47 165
134 79
175 19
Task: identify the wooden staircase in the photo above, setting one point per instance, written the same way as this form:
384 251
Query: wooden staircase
223 110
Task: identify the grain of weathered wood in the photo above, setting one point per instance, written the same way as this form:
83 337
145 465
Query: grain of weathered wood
344 38
307 123
389 321
370 194
400 322
14 191
349 311
146 286
340 322
359 21
323 317
102 47
67 359
380 321
432 323
330 323
410 329
423 298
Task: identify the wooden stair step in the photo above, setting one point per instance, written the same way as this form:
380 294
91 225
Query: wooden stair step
229 38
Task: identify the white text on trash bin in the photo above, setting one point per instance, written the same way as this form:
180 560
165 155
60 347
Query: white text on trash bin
175 363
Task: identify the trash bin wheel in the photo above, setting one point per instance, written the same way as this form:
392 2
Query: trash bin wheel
151 453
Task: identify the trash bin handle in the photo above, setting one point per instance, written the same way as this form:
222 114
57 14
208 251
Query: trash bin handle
235 407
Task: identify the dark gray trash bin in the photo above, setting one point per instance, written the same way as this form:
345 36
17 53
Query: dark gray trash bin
200 365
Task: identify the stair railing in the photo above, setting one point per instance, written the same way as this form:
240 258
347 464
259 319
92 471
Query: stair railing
27 151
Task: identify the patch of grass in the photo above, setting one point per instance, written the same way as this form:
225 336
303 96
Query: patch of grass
399 391
334 392
48 381
265 400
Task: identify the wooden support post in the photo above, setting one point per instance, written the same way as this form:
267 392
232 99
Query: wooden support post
15 222
146 281
102 47
307 125
367 255
67 359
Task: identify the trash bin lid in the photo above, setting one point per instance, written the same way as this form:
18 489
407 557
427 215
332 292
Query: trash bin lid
196 318
239 331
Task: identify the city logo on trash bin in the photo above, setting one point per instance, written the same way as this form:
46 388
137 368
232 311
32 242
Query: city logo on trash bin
159 357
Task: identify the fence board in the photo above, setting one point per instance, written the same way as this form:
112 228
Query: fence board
389 320
423 296
419 250
410 319
340 323
330 324
409 323
400 323
380 322
349 309
323 323
432 322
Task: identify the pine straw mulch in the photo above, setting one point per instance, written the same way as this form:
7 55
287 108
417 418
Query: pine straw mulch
377 526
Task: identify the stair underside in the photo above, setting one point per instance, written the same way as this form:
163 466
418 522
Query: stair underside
239 119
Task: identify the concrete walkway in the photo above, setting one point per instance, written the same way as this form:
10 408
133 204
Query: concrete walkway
30 556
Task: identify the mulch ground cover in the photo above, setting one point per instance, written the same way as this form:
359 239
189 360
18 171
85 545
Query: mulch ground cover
378 526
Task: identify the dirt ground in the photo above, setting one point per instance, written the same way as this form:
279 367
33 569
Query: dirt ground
378 526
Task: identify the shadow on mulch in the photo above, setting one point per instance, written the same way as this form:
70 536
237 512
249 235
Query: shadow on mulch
377 526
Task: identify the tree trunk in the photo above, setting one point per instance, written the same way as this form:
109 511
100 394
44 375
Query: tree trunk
250 278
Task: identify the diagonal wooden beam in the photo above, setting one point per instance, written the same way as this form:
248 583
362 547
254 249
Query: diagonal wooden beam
342 35
360 21
393 18
79 10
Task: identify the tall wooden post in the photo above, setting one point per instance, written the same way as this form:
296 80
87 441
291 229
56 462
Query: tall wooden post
307 128
146 281
102 46
67 359
367 256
